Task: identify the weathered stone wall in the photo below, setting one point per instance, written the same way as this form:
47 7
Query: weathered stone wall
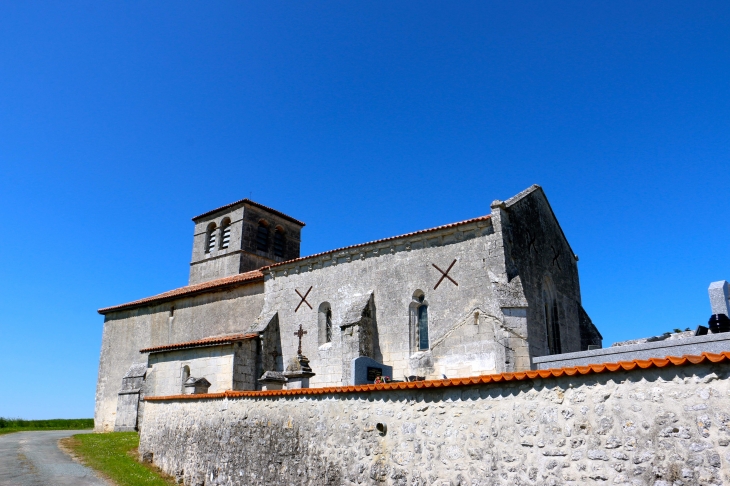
536 249
197 317
214 363
392 272
658 426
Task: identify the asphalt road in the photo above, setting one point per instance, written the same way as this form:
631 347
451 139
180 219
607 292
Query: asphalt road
34 459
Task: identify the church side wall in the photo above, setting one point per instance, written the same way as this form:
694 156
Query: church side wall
345 281
127 331
657 426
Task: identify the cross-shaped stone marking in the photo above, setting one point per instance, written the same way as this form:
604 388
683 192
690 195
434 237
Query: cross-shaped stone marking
300 334
304 298
445 274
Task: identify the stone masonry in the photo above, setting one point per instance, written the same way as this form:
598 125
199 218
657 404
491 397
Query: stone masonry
634 426
493 291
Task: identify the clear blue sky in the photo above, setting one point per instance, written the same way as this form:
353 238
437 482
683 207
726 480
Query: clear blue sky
120 121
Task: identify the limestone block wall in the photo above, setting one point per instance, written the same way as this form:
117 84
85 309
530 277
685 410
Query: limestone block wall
127 331
246 365
657 426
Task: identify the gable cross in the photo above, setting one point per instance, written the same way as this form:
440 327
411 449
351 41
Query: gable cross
303 297
300 334
445 274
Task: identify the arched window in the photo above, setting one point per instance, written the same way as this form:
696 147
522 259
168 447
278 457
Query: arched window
210 238
419 322
551 316
262 236
279 242
225 233
325 323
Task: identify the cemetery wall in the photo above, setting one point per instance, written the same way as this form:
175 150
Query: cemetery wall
661 423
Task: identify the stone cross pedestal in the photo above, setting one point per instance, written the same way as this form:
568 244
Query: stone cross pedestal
298 373
719 295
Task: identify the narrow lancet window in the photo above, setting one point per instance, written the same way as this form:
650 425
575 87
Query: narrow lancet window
325 323
262 237
210 238
419 322
279 243
422 326
225 233
552 317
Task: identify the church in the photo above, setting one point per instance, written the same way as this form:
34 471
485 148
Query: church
475 297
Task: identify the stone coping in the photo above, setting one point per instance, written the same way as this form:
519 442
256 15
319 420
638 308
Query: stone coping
695 345
705 358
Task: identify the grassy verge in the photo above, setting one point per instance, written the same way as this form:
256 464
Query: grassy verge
19 425
115 455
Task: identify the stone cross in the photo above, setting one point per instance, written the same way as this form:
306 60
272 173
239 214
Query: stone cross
300 334
719 297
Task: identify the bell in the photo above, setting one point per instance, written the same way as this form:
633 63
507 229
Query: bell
719 323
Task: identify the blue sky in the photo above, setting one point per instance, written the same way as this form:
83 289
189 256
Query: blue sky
121 121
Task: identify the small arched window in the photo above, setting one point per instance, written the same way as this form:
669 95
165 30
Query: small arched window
184 374
325 323
279 243
262 236
225 233
210 238
551 316
419 321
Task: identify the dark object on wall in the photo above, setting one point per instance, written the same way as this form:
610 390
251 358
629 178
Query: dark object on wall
719 323
701 330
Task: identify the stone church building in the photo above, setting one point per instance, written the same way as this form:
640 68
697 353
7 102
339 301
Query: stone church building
481 296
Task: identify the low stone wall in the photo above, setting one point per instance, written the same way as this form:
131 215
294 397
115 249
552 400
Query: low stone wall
668 424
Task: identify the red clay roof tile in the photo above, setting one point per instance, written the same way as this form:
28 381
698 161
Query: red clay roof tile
474 380
188 290
212 341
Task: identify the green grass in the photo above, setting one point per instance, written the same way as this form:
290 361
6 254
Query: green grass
115 455
19 425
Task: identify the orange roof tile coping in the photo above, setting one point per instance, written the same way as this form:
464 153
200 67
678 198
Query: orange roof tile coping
212 341
382 240
189 290
252 203
474 380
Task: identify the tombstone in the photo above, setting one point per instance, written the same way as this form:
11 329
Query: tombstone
196 386
719 294
272 380
128 398
363 370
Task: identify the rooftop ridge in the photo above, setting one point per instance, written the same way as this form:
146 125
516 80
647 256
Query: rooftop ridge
723 357
252 203
189 290
211 341
382 240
